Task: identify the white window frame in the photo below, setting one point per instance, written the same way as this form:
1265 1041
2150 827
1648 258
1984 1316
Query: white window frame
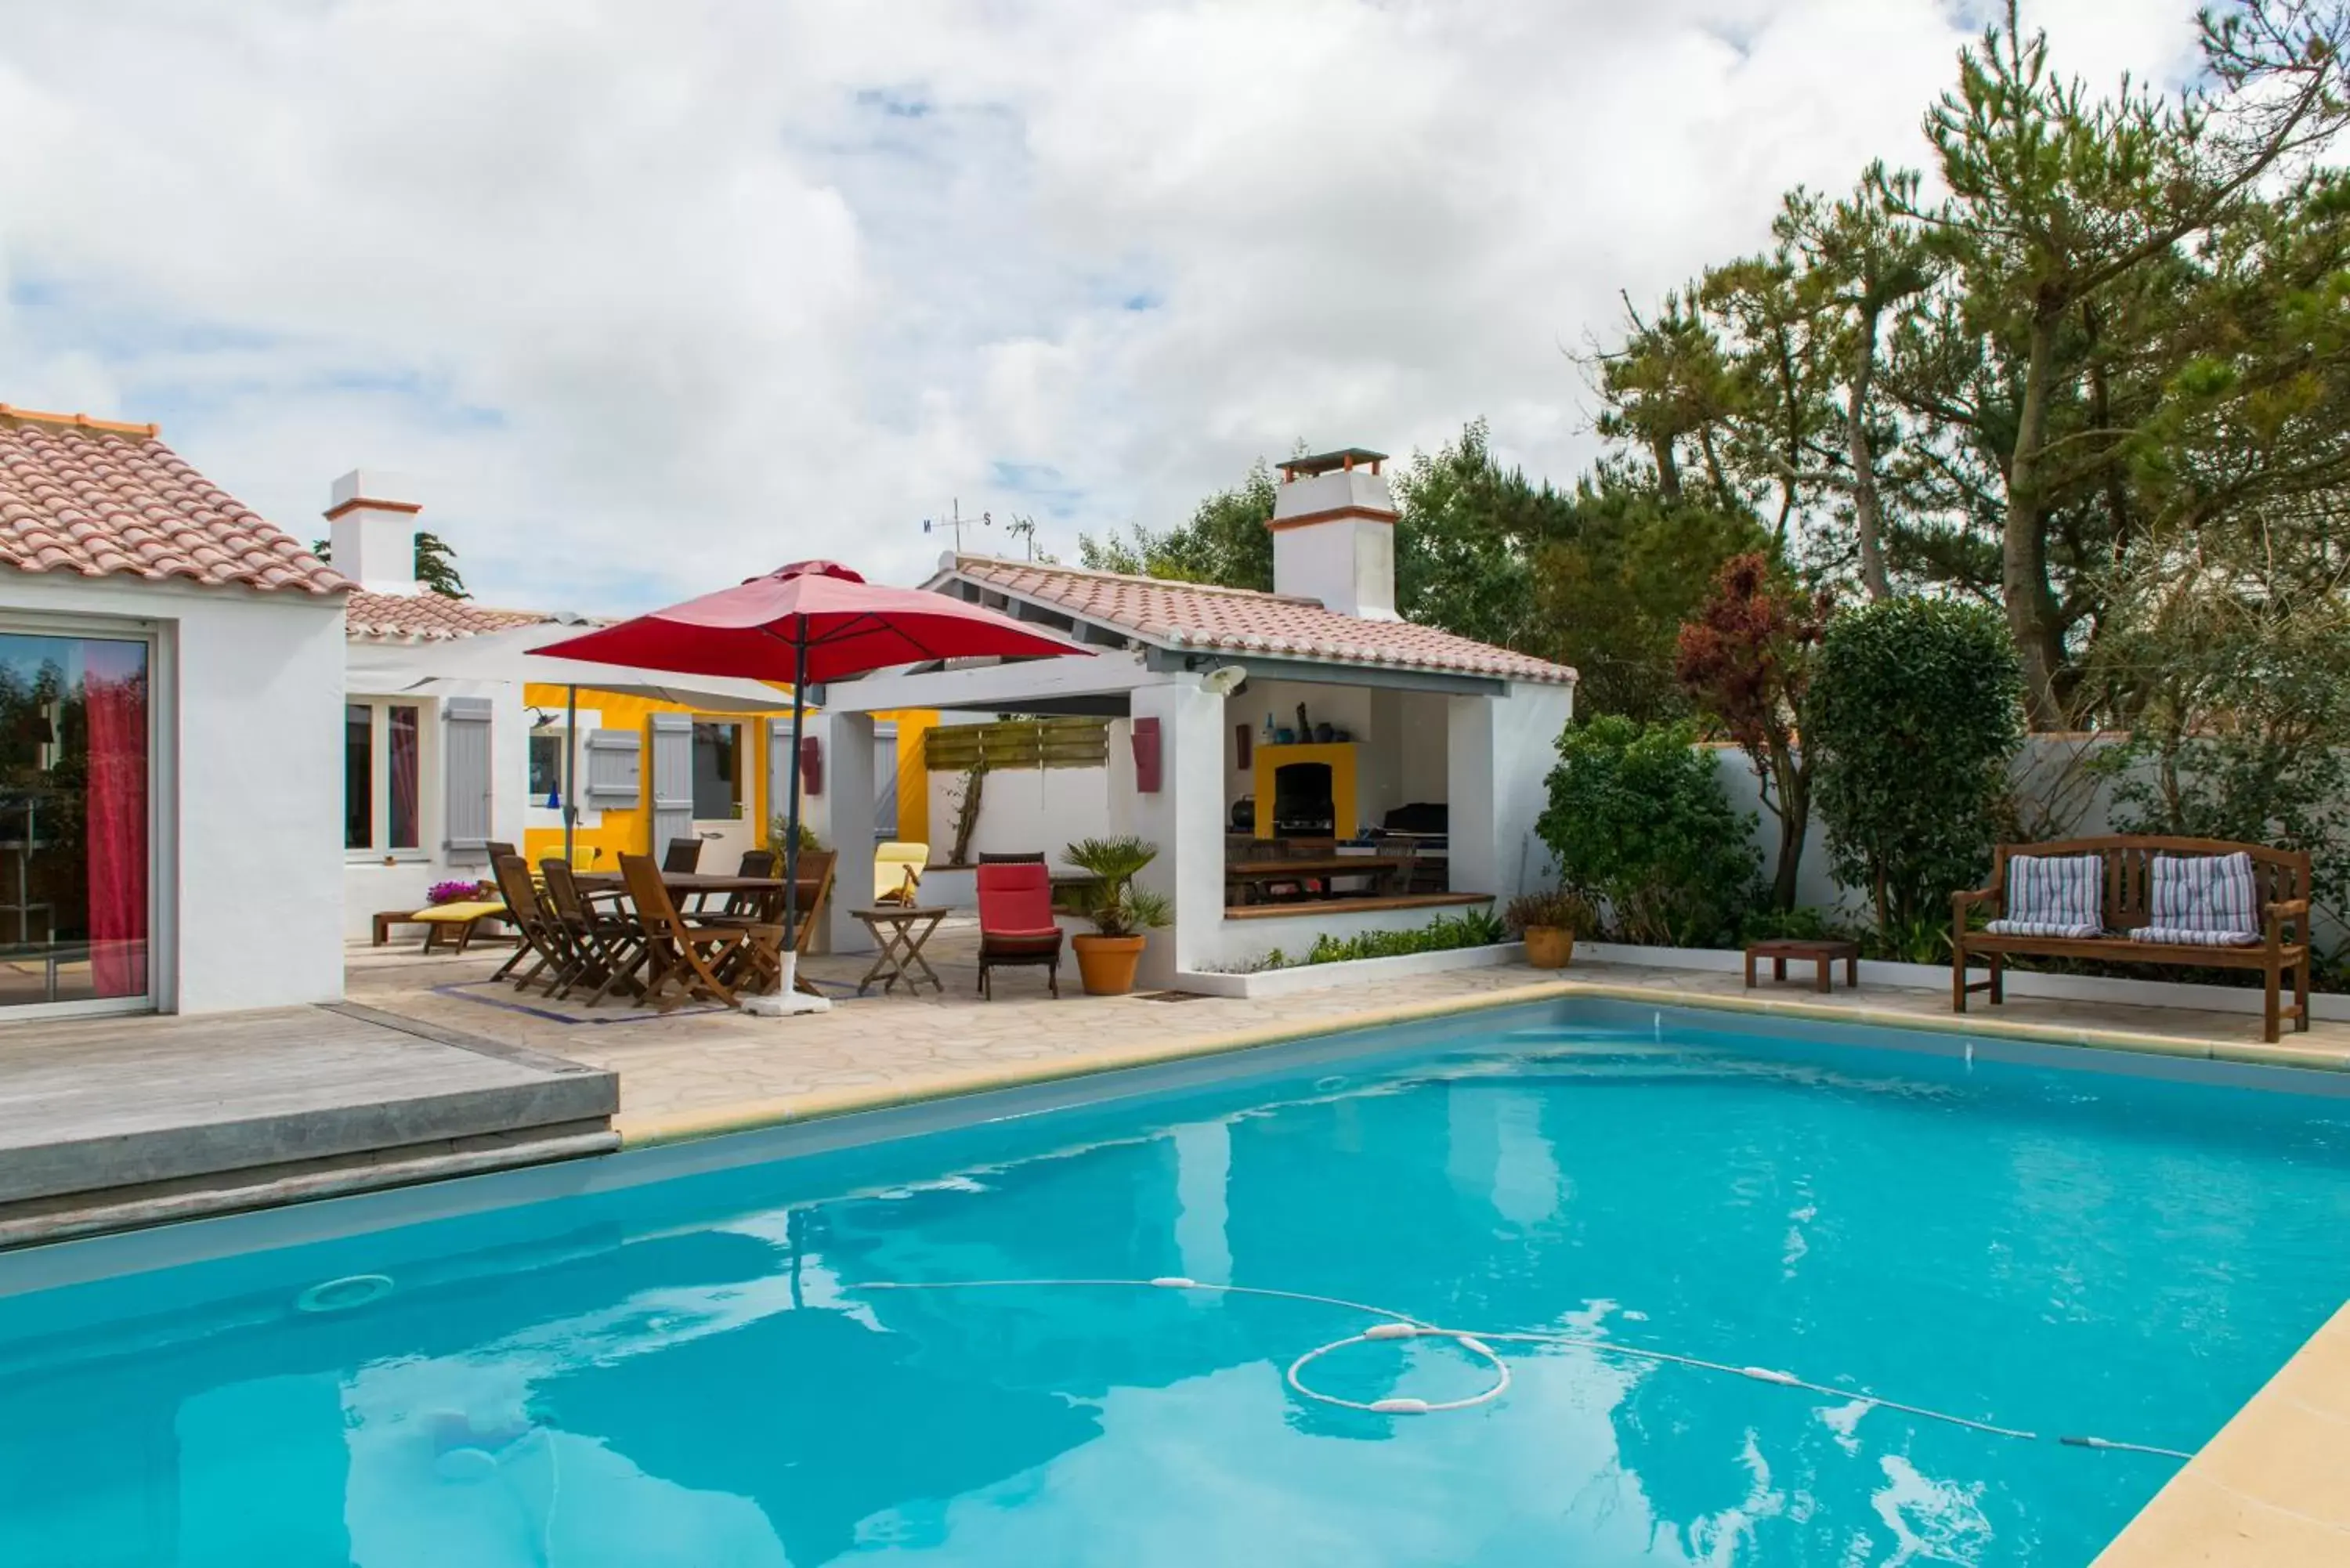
163 808
428 777
536 814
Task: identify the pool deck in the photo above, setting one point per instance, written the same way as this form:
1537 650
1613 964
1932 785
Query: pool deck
108 1123
701 1072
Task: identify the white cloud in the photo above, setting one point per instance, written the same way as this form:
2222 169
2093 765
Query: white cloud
648 297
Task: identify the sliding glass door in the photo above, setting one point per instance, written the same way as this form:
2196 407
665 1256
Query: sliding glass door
76 859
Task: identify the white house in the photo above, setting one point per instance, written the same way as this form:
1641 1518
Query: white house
1403 725
171 673
454 736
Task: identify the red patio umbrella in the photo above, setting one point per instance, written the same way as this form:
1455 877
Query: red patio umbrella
812 621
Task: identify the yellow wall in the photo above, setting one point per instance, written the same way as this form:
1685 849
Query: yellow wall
629 831
914 778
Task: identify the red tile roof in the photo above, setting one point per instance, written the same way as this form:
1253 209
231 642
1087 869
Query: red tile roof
429 616
97 498
1241 620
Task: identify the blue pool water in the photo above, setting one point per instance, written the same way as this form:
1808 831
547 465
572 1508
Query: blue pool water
700 1366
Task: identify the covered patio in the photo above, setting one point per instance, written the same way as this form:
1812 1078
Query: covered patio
1306 762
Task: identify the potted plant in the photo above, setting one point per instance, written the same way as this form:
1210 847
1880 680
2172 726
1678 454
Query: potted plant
1120 911
1550 921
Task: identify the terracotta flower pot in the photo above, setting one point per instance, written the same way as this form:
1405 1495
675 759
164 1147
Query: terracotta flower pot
1549 947
1106 964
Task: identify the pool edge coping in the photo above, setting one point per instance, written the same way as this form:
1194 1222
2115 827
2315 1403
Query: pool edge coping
657 1128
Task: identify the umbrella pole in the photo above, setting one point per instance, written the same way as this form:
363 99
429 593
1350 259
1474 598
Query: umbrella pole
792 808
570 769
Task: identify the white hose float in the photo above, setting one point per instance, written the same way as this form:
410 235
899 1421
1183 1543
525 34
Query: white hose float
1402 1405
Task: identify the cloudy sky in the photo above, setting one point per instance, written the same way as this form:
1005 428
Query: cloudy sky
645 297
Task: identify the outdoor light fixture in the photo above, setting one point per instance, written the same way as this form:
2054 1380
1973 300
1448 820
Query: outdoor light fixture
1224 679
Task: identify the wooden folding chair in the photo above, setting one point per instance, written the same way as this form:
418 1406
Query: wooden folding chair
610 945
679 955
543 937
816 868
683 856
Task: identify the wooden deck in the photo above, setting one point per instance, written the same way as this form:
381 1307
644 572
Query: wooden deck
109 1122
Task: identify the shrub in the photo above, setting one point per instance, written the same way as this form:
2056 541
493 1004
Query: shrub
1916 712
452 892
1469 929
1640 827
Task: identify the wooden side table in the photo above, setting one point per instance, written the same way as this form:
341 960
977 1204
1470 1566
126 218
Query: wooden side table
902 930
1823 952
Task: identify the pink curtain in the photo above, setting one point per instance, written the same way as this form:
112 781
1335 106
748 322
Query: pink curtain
114 687
400 723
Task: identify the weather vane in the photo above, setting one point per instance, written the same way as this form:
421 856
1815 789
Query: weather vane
958 522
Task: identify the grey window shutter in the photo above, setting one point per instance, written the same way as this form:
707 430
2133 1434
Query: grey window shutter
465 772
884 785
779 769
672 779
613 762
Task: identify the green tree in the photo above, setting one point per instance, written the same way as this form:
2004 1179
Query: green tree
1228 541
1615 579
1465 534
1914 718
2114 318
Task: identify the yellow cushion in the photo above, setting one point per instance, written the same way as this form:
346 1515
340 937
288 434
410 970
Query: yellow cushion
896 866
472 910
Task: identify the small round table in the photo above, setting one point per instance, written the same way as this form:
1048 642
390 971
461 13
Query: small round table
901 930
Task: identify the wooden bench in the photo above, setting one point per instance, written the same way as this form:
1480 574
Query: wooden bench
2279 887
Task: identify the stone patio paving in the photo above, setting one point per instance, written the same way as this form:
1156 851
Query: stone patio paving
706 1059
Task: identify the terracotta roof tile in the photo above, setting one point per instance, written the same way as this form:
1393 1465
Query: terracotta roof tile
1241 620
428 616
102 499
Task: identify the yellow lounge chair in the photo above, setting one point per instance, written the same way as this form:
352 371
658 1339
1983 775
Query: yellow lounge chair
898 871
464 919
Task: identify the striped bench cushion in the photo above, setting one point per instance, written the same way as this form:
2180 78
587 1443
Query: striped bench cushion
2053 895
2042 929
2194 936
2201 893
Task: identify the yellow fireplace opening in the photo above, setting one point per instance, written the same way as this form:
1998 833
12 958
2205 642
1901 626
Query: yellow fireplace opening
1338 756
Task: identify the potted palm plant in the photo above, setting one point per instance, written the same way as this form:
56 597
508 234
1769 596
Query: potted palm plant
1550 921
1121 912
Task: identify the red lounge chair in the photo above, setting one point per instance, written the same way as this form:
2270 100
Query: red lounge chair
1015 920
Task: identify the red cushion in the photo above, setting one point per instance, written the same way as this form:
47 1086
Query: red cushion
1016 898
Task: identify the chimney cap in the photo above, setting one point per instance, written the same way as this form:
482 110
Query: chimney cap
374 488
1331 463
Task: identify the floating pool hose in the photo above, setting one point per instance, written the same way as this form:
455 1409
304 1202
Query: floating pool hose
1404 1327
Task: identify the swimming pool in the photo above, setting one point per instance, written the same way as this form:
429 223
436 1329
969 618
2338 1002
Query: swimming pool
710 1356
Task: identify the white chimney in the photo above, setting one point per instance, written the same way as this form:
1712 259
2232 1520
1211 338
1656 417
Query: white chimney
374 532
1334 534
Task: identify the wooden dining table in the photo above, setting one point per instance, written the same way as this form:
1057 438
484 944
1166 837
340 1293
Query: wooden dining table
684 885
1247 877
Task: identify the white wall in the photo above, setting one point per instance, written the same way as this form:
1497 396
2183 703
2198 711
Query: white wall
1186 820
369 885
1501 752
249 867
1021 810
